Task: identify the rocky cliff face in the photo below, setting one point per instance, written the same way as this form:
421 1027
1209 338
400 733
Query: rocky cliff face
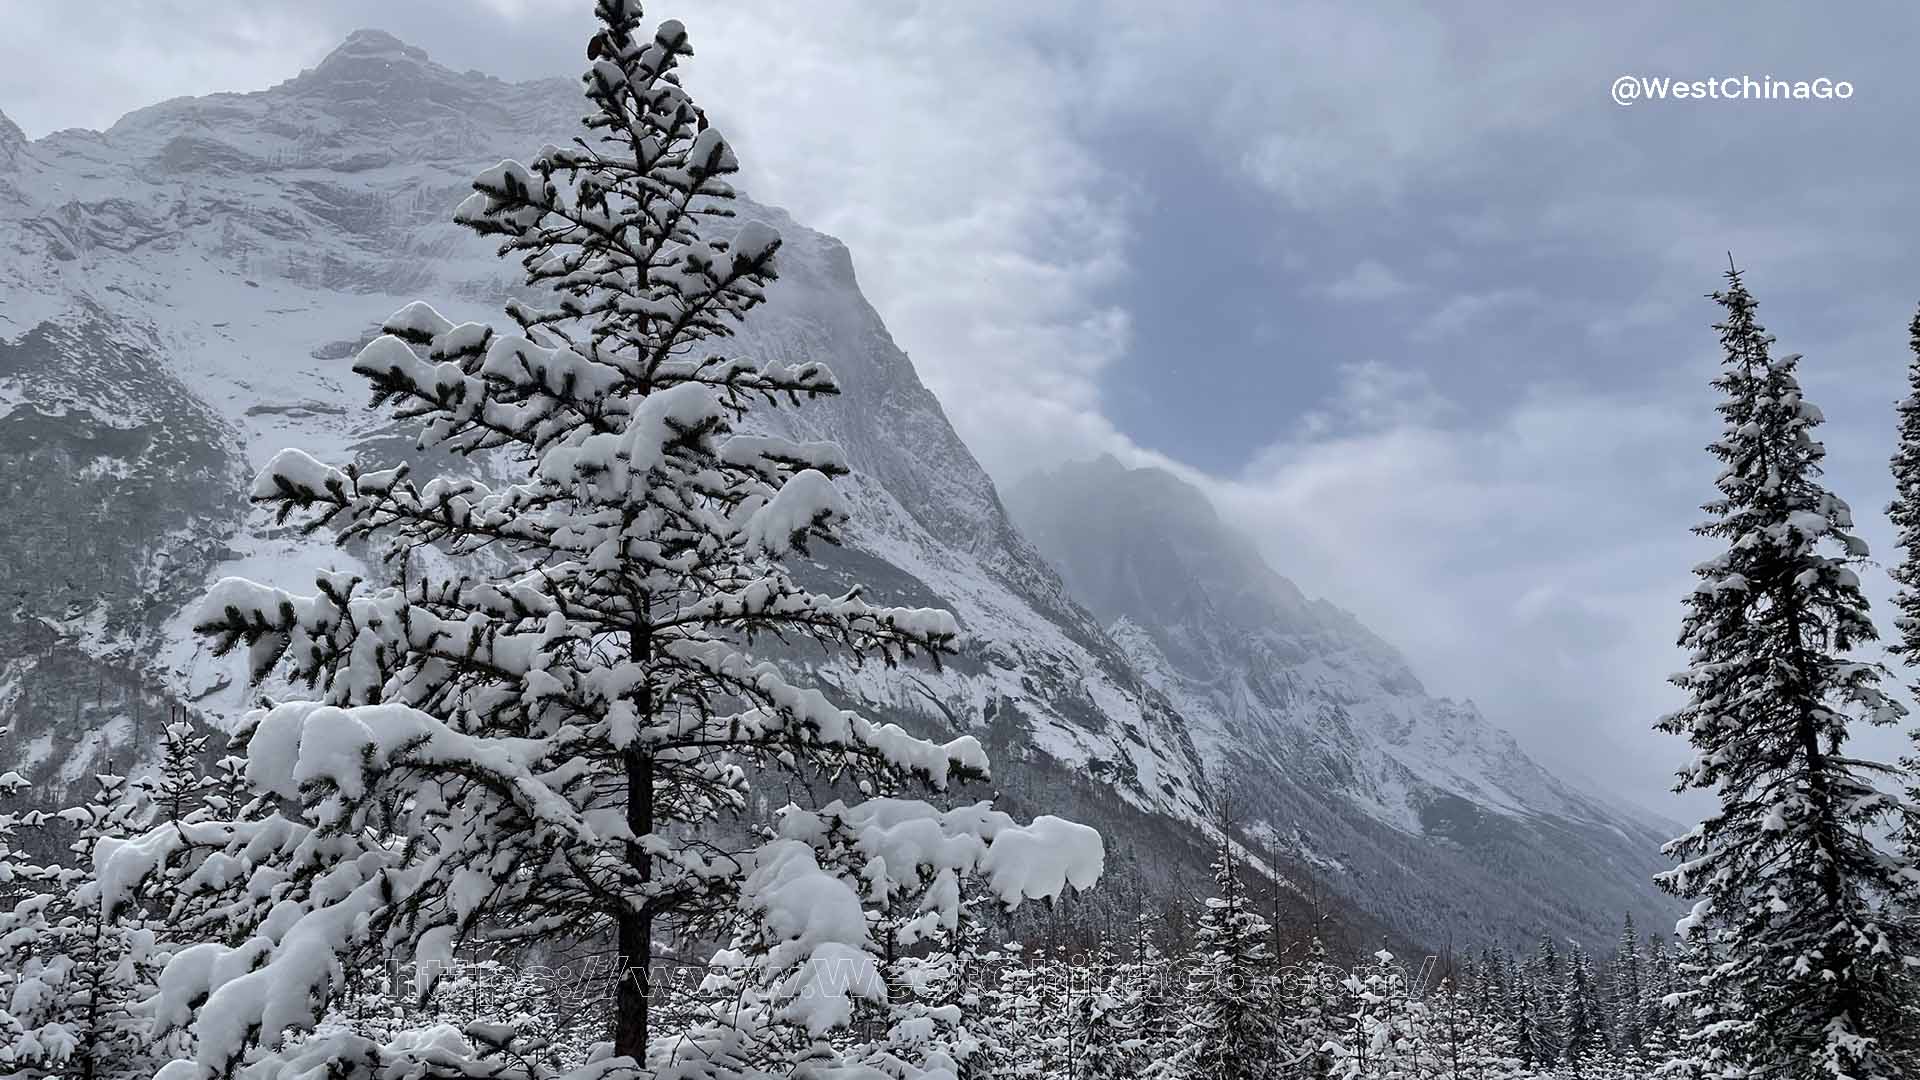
117 487
180 297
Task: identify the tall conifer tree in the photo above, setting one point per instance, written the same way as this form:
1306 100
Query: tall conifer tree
1229 1030
545 726
1784 874
1904 512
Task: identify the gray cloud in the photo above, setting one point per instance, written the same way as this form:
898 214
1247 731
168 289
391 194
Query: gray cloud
1368 280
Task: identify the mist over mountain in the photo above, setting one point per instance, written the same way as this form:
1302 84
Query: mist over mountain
1321 730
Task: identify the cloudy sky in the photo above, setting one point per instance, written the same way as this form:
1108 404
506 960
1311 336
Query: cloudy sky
1411 295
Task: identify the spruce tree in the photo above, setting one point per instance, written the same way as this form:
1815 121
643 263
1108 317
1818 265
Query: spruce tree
1386 1030
1530 1039
1449 1045
77 957
1046 1012
1705 1014
1490 983
1012 1000
1486 1017
1659 1012
1545 1001
26 1000
1149 994
1318 996
1107 1045
17 865
972 990
1785 875
1904 512
1229 1028
922 1026
1582 1024
551 731
182 785
1624 992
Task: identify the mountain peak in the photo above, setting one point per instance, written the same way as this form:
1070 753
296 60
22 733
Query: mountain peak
371 44
1169 496
373 66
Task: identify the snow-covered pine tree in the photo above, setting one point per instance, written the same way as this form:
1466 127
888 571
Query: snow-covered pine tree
1106 1044
1785 874
1479 998
1461 1040
1014 1003
1702 1010
1229 1030
1489 984
1583 1033
176 871
1904 511
1450 1030
973 989
76 958
228 793
1544 1001
1546 960
1137 958
182 785
1660 1024
1319 1019
1386 1037
1530 1032
541 744
1150 985
909 1030
1050 998
962 977
926 1026
1624 991
23 927
1513 982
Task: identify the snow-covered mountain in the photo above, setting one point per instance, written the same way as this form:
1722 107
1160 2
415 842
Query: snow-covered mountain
1318 726
179 297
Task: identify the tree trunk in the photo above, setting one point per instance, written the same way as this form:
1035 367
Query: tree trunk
634 996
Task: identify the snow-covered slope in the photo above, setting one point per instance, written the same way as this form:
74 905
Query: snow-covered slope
1305 713
179 297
